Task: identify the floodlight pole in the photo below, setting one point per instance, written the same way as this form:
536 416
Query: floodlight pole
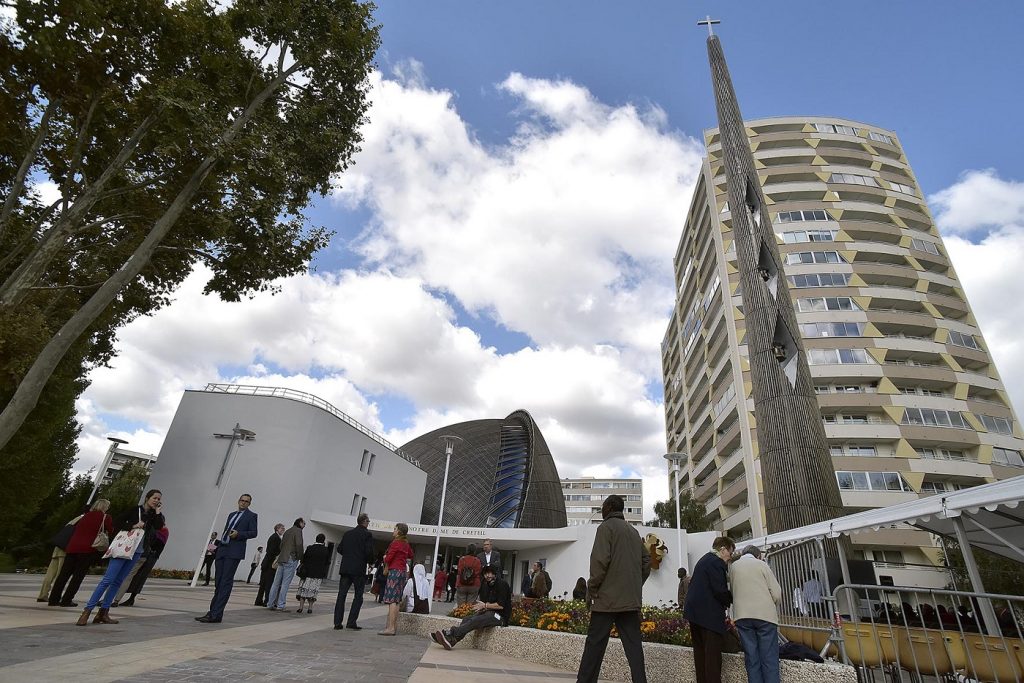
675 461
114 443
449 448
237 436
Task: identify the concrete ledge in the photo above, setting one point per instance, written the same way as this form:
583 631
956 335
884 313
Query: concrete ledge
665 663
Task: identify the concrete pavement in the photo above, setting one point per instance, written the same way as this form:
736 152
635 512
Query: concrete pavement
158 641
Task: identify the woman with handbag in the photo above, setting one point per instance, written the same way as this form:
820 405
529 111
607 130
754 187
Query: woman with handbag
313 571
89 539
136 535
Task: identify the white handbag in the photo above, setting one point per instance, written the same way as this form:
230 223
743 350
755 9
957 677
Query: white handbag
125 544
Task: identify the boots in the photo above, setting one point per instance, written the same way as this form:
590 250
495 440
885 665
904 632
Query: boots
102 617
84 619
130 602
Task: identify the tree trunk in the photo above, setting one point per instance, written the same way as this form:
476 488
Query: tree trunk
32 384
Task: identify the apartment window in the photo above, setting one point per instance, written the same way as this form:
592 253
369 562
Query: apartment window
941 454
847 419
921 391
819 280
888 556
808 330
872 481
826 303
1005 456
633 498
999 425
837 357
853 179
924 245
799 257
835 451
863 451
793 216
937 418
835 128
798 236
965 340
933 487
880 137
900 187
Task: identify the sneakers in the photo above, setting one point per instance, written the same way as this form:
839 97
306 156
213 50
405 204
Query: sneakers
442 640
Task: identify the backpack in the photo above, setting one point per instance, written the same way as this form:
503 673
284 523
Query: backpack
467 575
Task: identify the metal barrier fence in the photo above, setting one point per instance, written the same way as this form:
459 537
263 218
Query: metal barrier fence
805 614
930 635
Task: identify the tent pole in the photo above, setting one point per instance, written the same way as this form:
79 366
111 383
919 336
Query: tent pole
988 613
844 567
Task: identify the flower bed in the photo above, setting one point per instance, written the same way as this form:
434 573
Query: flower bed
657 624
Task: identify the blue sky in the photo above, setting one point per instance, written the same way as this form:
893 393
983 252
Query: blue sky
504 239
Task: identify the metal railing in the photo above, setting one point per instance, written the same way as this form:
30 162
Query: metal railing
931 634
309 399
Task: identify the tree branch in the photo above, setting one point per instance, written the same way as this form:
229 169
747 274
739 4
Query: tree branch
30 270
26 396
99 222
56 287
76 154
30 158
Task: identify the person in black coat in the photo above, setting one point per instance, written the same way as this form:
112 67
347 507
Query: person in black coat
313 570
267 570
706 602
356 550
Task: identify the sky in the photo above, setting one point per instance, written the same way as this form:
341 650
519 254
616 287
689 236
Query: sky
504 239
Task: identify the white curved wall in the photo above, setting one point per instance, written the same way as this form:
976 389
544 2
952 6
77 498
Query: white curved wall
303 458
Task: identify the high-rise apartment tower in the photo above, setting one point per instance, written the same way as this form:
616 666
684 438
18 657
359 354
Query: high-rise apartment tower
909 396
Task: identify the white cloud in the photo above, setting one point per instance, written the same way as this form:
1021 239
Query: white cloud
980 200
565 232
982 217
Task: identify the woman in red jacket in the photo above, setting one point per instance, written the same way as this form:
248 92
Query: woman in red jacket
396 564
81 554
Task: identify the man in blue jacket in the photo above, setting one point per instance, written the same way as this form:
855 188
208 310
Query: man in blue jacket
239 527
706 602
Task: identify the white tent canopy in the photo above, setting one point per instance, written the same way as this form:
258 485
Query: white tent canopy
992 518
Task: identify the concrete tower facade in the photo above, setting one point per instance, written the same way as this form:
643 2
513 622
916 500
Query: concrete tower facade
800 485
907 394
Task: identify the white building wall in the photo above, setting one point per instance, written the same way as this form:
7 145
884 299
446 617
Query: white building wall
303 458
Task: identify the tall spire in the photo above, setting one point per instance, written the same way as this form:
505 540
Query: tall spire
796 468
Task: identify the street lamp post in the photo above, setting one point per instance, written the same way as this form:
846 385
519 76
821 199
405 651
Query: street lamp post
449 448
237 436
114 443
675 461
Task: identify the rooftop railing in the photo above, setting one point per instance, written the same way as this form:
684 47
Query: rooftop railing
309 399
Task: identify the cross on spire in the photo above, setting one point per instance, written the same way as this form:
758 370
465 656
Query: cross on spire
709 21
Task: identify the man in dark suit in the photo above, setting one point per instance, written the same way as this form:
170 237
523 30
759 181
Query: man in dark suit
706 601
490 557
356 550
267 570
239 527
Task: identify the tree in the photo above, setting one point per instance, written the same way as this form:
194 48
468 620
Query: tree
170 142
692 513
998 574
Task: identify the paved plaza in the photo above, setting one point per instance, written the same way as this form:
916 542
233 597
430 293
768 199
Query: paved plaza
159 641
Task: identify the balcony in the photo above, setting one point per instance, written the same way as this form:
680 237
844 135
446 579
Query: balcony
734 491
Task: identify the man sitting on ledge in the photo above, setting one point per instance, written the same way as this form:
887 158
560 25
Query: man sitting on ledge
494 607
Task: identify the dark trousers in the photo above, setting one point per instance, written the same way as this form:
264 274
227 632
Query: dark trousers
707 653
207 564
76 565
139 580
358 583
266 581
474 622
224 580
628 624
449 593
252 570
